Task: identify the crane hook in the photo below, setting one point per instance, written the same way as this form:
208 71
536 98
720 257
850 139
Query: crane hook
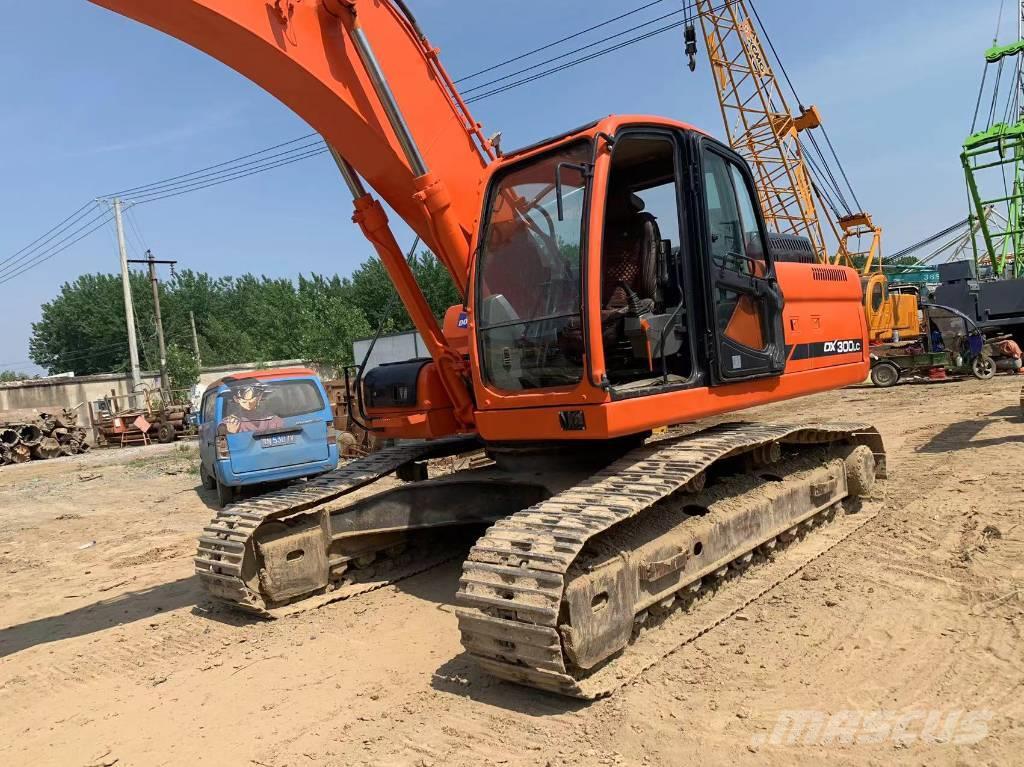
690 37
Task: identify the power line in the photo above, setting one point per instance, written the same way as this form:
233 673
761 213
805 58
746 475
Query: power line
222 180
570 64
196 176
6 275
31 257
522 56
132 190
77 354
62 226
572 52
134 225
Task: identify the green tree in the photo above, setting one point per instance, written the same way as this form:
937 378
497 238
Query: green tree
238 319
435 282
9 376
182 368
83 329
328 321
373 292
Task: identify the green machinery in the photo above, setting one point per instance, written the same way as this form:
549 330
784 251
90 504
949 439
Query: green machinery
993 162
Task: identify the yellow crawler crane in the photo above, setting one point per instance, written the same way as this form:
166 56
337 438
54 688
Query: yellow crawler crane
797 183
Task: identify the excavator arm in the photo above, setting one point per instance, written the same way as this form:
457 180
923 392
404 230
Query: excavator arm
395 121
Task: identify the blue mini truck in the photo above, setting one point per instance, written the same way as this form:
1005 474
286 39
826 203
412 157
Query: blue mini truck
264 426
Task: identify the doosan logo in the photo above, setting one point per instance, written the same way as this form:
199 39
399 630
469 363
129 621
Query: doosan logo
841 347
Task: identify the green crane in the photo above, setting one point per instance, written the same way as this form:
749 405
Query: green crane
995 153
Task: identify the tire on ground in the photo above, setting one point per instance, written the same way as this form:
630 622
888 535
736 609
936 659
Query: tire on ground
225 493
884 375
204 476
983 367
165 433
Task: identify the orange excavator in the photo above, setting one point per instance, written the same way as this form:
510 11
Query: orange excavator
616 279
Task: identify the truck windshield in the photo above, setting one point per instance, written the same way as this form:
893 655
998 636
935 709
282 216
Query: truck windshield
528 285
254 405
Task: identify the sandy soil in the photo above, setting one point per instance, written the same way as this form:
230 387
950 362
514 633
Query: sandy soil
109 653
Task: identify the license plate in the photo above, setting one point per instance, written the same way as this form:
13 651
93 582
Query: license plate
277 440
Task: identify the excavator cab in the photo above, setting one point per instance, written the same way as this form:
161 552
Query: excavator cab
622 263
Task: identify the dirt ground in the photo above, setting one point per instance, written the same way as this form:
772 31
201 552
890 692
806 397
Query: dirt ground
110 654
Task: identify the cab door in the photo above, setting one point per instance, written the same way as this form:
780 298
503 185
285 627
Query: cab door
208 427
745 337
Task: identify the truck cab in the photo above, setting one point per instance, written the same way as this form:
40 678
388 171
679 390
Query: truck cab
264 426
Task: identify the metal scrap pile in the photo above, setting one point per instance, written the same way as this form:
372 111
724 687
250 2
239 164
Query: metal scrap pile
43 436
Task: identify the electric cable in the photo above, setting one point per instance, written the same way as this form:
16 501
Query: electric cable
13 270
60 227
556 42
574 51
195 176
134 189
224 179
575 62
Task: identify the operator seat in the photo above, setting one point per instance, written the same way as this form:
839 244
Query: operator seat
629 269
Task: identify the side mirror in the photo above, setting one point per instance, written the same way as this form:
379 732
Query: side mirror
584 170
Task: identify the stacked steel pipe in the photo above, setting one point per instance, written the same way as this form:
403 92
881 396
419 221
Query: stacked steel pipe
44 436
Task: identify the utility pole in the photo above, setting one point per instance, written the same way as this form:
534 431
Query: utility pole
165 388
129 310
195 340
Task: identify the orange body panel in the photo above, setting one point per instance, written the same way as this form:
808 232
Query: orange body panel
456 329
432 417
631 416
745 325
817 311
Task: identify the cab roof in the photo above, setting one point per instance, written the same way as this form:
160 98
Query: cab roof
263 375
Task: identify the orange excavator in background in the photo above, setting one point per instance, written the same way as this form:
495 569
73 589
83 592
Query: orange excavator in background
616 278
797 193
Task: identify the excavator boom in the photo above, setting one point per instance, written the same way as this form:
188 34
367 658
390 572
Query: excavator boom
312 56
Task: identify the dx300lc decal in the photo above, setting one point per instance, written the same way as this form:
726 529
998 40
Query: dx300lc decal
824 348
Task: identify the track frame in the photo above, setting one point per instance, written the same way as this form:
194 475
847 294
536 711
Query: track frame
512 592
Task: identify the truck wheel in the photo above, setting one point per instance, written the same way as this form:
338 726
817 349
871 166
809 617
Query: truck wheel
884 375
165 433
225 494
204 476
983 367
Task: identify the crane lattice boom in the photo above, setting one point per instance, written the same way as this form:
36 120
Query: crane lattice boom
762 127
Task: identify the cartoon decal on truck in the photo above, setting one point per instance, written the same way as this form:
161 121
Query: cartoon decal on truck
246 409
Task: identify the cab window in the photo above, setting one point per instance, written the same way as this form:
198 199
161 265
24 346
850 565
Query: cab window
209 406
736 241
528 282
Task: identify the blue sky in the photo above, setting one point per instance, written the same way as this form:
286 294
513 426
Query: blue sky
92 102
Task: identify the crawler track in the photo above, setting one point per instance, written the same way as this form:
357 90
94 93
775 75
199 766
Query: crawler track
226 559
513 590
